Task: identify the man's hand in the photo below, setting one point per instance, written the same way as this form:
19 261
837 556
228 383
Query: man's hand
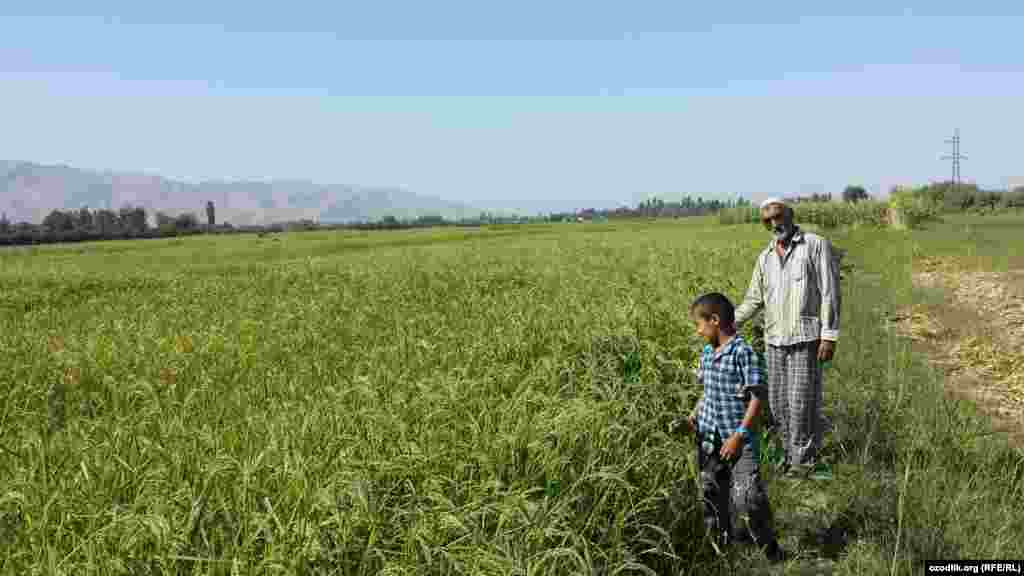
731 446
826 349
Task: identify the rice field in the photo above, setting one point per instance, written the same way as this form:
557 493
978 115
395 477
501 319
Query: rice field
486 401
467 401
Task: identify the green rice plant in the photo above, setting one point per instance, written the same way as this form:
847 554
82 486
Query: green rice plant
485 401
436 401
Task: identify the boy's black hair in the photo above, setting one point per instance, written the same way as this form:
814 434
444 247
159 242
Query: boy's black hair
714 303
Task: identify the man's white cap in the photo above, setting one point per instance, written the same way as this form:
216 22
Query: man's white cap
772 200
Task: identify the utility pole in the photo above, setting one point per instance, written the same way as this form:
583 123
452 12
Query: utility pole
956 157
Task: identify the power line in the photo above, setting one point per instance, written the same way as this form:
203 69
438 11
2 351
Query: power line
956 157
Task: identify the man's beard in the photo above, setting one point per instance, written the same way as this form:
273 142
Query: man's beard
783 233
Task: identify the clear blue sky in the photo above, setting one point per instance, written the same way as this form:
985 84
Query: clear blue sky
526 105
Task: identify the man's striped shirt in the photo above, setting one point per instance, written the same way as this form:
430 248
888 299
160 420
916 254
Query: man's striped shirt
799 292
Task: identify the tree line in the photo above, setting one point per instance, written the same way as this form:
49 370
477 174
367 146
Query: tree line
653 208
948 196
131 222
84 224
969 197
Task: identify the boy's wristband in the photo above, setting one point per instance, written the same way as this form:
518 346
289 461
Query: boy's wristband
743 430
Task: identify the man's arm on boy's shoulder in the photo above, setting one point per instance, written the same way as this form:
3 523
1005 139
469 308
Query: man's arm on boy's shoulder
752 383
754 299
751 387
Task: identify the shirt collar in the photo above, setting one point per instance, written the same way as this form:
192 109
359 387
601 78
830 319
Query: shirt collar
728 347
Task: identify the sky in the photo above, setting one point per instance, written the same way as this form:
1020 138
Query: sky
532 106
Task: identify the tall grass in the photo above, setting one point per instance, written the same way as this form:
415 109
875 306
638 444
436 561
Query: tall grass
911 208
871 213
485 402
475 404
739 215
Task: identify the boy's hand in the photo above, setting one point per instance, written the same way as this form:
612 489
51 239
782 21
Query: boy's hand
731 446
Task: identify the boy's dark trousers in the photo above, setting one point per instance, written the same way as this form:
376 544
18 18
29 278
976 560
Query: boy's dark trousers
733 489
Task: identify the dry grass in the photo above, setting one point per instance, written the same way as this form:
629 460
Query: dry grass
918 325
998 354
976 337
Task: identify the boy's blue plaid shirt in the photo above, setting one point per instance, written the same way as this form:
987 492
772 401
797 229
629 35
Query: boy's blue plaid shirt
729 378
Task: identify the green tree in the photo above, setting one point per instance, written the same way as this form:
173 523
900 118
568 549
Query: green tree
959 199
58 221
990 200
186 222
1015 198
107 223
133 220
430 220
85 219
164 223
854 194
210 221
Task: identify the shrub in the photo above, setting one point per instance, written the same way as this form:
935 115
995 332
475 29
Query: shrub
823 214
912 207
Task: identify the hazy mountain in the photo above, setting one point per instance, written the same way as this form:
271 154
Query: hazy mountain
28 192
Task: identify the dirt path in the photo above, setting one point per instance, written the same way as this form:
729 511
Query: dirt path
976 336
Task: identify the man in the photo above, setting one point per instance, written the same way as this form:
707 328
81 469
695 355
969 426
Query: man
796 282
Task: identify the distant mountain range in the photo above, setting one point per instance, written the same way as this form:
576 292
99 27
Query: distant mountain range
29 191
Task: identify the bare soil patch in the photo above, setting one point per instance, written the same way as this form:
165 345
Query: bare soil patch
976 336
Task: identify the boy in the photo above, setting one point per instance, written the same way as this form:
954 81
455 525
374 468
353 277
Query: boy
726 448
